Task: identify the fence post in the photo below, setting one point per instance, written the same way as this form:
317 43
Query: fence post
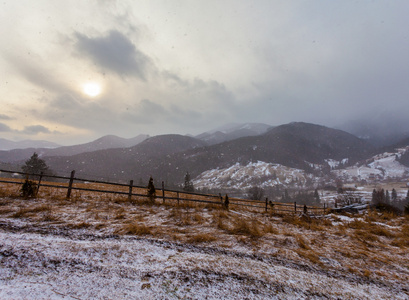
266 203
177 196
163 192
295 207
39 183
130 190
70 184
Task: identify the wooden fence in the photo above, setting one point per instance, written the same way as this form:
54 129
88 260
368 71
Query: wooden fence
127 190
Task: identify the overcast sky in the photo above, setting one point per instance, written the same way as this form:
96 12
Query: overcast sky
190 66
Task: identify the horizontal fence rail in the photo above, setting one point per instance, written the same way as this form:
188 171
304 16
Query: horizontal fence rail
161 194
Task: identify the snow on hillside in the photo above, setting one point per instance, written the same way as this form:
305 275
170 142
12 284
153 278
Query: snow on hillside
381 166
242 177
263 174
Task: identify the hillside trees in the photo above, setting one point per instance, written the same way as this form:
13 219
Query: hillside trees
378 196
255 193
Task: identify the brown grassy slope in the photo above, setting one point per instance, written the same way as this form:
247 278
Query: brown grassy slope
373 247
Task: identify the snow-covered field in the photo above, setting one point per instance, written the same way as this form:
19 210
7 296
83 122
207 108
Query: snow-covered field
96 248
38 266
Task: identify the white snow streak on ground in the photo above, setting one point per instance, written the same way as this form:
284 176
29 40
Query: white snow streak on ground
35 266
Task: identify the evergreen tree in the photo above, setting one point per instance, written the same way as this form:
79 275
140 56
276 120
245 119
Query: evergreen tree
394 195
34 165
387 197
188 185
378 197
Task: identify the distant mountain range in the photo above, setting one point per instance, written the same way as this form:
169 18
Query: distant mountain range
232 131
295 152
169 157
9 145
106 142
139 161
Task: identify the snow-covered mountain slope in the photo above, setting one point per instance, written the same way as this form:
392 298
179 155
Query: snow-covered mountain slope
379 167
260 173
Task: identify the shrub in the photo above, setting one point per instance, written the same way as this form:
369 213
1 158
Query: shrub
28 189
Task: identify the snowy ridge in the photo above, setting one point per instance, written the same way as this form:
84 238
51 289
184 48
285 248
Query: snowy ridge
379 167
242 177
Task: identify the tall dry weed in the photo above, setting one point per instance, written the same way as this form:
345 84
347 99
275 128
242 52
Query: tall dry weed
135 229
249 228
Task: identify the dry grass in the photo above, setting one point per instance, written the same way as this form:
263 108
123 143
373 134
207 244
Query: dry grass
270 228
120 214
365 236
310 255
401 239
249 228
80 225
49 217
221 219
307 222
380 230
201 238
302 243
20 213
135 229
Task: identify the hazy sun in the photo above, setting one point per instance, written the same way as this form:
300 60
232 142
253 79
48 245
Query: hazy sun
92 89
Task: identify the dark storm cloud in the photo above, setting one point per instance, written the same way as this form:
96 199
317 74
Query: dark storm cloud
4 128
115 52
35 129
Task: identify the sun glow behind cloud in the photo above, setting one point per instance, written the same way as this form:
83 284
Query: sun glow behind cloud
92 89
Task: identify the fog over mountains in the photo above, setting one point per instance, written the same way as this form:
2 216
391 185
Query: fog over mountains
9 145
297 154
105 142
